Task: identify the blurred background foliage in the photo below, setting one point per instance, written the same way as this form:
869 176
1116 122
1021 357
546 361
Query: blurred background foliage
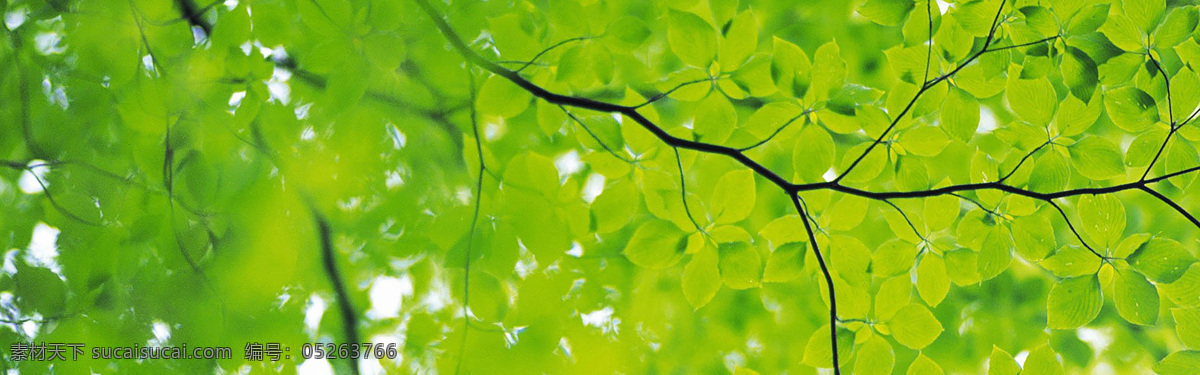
169 165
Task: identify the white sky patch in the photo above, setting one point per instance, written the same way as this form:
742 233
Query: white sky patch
198 35
31 326
593 187
56 95
386 295
43 250
464 195
10 261
526 263
576 250
16 17
308 134
942 6
49 43
736 359
148 63
231 4
568 164
162 333
1098 339
302 111
987 121
247 47
235 100
493 130
394 180
399 139
689 123
314 367
602 319
278 87
312 314
829 175
1020 357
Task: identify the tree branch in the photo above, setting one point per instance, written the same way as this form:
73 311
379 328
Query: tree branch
833 319
349 318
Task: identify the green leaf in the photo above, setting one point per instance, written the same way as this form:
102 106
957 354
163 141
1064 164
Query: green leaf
961 266
819 352
1040 19
813 154
995 255
692 38
875 357
893 258
1182 362
1073 302
1074 116
1187 325
628 32
1136 298
1176 28
657 244
740 41
1033 100
893 294
614 207
1050 173
500 97
1185 95
1124 33
828 71
785 264
40 290
741 265
1097 158
1180 155
886 12
1130 108
1072 261
734 196
1042 361
932 281
870 166
924 366
1144 148
1002 363
1102 218
1145 14
1033 236
769 118
790 68
701 278
1088 19
715 119
915 327
1162 260
784 230
960 115
1080 73
489 301
1185 291
924 141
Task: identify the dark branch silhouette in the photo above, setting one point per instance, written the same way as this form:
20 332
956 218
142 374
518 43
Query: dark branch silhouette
794 189
329 261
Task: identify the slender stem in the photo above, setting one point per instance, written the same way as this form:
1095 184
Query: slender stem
833 319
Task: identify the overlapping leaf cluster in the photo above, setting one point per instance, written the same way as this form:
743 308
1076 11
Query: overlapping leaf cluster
701 186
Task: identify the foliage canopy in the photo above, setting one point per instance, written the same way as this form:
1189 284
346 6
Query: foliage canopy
606 186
